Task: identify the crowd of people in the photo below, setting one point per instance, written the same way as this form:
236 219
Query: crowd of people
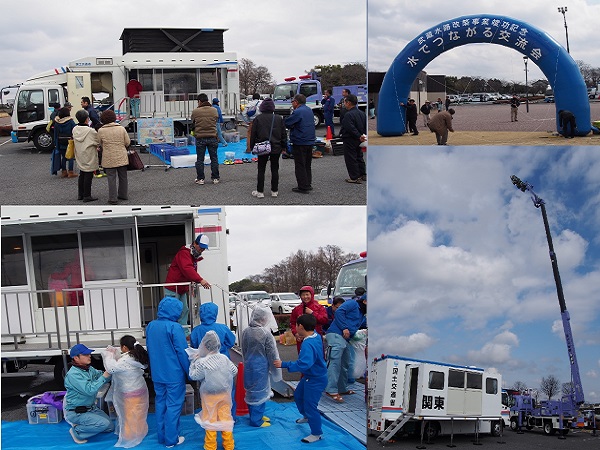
325 360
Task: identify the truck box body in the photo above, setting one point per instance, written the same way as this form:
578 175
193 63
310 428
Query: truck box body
433 392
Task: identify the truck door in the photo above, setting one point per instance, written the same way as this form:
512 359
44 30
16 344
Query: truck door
79 84
413 387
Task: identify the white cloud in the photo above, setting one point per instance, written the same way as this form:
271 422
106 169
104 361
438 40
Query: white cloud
400 345
592 374
498 351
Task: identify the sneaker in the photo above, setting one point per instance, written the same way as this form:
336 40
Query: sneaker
311 438
179 441
274 193
200 182
258 194
215 181
350 180
75 438
302 420
363 178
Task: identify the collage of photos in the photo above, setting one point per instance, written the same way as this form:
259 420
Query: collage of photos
196 206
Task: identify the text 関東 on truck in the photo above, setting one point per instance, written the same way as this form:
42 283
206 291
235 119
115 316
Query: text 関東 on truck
173 66
93 274
411 396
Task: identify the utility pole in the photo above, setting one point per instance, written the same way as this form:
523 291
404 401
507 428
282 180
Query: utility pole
526 60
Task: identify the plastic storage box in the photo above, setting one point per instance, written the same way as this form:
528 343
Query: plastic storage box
180 142
43 413
188 405
183 161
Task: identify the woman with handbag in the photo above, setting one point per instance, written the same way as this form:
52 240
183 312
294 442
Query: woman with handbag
114 141
267 139
63 133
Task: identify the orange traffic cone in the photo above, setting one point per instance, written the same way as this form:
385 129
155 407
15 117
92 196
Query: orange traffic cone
329 134
241 408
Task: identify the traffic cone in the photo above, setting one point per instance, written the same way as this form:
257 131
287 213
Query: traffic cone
240 393
329 134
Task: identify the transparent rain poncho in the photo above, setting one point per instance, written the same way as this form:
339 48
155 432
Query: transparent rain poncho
216 373
259 351
130 396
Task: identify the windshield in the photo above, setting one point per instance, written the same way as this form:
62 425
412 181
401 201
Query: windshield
351 277
289 297
285 91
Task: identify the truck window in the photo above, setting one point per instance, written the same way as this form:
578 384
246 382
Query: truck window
308 89
13 262
491 386
30 105
285 91
210 79
178 83
474 380
107 255
456 379
436 380
53 96
351 277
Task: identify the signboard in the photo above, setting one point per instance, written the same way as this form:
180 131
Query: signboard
155 131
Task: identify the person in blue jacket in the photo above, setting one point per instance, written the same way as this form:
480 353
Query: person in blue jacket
328 103
82 383
169 365
215 103
311 364
346 322
302 137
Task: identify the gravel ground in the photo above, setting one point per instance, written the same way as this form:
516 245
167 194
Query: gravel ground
489 124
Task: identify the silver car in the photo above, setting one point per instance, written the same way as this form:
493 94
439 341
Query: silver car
284 302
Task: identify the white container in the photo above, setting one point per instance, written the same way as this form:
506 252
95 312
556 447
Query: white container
183 161
229 155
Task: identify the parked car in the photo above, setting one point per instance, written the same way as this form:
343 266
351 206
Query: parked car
323 298
255 297
465 98
549 99
284 302
454 98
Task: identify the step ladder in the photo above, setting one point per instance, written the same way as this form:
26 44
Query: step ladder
393 428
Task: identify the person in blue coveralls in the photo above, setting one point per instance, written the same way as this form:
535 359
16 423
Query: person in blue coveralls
346 322
260 354
82 383
328 103
169 364
311 364
208 322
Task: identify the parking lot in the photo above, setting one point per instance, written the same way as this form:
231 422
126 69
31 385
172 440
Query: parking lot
26 180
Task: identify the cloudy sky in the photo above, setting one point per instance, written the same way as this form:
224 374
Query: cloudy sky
394 23
286 37
260 237
458 260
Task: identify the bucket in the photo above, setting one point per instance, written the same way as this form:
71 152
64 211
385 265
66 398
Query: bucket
229 155
13 137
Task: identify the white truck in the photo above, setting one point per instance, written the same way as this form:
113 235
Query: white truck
93 274
171 85
430 398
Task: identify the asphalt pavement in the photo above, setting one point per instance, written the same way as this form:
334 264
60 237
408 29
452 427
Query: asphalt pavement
26 180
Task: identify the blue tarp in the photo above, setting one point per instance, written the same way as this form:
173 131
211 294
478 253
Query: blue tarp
283 433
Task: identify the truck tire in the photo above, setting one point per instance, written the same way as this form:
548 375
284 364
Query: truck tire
548 428
497 427
432 430
43 140
514 424
318 119
229 125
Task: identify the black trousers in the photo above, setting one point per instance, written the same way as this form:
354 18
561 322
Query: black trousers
353 156
85 184
411 125
262 168
302 161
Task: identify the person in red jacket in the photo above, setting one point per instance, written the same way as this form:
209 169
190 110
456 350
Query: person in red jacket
308 306
184 268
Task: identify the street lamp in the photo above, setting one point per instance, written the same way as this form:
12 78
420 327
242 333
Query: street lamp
563 10
419 92
525 60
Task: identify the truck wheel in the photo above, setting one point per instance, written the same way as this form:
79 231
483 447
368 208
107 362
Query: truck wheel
514 424
43 140
549 429
497 428
432 430
229 125
317 119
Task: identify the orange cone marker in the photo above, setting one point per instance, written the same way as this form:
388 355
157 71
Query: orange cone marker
241 408
329 134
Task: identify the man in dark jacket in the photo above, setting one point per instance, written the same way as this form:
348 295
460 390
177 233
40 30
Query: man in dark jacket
514 108
328 103
86 104
411 116
565 118
302 137
170 366
183 269
426 111
354 128
345 93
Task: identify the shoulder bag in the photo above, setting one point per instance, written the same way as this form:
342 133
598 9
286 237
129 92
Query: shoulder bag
264 147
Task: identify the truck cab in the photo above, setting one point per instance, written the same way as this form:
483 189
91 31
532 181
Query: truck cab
306 85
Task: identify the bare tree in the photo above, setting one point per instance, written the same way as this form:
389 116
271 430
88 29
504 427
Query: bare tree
550 386
568 388
519 386
254 78
337 75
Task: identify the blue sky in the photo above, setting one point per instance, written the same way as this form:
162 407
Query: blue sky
458 260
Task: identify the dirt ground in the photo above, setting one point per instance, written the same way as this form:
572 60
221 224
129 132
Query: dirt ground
489 124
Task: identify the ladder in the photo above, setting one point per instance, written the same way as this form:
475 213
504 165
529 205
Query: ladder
393 428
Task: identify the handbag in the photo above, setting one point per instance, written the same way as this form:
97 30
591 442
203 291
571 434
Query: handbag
70 153
135 162
264 148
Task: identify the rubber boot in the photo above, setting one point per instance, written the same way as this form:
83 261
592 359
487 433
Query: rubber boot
64 174
228 442
72 174
210 440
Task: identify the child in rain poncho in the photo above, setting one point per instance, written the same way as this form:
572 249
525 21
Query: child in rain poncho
259 351
215 373
129 390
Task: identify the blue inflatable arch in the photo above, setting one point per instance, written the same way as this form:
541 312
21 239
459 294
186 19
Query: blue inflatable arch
570 91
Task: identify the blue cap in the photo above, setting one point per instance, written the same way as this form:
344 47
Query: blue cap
215 101
80 349
202 241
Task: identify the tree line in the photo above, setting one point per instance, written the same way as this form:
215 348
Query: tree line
317 269
550 386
